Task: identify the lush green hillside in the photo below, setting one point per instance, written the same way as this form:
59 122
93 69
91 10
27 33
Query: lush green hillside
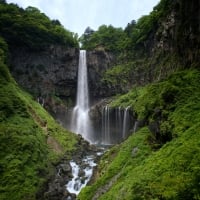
30 140
162 159
107 37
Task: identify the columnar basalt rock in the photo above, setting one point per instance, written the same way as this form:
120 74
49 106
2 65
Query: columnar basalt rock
52 71
98 61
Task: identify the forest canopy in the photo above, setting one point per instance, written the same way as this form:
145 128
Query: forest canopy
31 28
129 39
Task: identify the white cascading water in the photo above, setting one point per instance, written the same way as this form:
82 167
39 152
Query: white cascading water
125 122
119 121
106 125
80 122
115 124
76 184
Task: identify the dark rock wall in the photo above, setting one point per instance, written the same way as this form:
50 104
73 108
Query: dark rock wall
172 44
51 76
179 33
44 73
98 61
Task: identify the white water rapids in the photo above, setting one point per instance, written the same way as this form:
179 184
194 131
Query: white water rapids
80 176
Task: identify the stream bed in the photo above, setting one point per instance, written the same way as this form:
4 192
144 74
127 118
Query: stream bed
73 175
81 174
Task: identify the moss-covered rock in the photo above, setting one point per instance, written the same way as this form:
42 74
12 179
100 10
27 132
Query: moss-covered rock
161 164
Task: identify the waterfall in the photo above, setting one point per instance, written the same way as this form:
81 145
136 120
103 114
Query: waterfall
135 126
115 124
106 125
119 121
125 122
80 122
115 121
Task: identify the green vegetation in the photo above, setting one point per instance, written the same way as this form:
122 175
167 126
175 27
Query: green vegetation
132 40
110 38
26 155
140 56
161 160
32 29
156 165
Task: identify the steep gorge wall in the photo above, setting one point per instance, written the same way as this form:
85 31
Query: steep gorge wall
172 44
178 33
51 75
49 72
98 61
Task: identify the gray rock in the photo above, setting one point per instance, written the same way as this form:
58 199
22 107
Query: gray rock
51 71
65 168
134 151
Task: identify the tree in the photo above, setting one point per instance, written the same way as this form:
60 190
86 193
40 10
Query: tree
88 31
129 28
108 37
32 29
3 1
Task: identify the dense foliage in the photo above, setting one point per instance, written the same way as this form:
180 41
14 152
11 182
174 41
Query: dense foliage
32 29
152 164
130 40
107 37
26 158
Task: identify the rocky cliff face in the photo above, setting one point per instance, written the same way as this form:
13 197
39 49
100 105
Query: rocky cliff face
49 72
171 45
51 75
98 61
179 33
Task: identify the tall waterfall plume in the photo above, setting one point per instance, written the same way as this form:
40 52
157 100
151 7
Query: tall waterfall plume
80 122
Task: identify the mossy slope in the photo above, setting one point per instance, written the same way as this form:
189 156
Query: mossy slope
26 153
156 165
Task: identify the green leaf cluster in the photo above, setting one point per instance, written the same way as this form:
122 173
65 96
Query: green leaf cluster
107 37
32 29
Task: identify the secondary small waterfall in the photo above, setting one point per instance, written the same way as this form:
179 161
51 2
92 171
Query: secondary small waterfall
106 126
125 122
80 122
115 124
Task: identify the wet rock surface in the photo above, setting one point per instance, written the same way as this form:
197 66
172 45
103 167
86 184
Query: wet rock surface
56 188
98 61
54 68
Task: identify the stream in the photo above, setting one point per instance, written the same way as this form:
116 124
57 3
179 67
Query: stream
71 176
82 171
81 174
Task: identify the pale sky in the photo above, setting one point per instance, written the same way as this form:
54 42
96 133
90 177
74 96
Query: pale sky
77 15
